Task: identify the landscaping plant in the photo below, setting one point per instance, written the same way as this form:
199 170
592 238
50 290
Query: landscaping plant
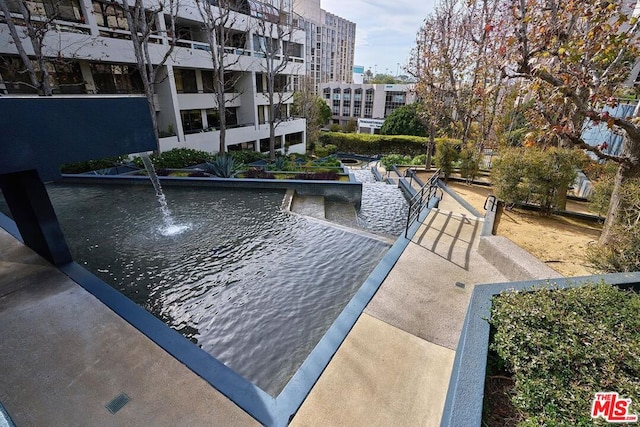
221 166
561 346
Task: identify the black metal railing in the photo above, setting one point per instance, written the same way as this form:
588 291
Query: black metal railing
420 200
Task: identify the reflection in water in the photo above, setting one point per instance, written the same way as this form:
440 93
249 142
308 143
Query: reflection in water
253 286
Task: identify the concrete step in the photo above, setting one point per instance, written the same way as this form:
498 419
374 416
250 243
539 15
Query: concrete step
313 206
342 213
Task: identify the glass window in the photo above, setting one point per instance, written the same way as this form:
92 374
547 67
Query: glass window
191 121
185 81
116 78
213 119
207 81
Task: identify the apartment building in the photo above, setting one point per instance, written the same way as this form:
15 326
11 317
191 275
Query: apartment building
368 104
330 43
88 50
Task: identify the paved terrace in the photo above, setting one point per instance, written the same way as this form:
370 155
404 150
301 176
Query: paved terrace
64 355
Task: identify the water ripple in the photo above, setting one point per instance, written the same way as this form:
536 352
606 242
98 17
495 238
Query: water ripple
253 286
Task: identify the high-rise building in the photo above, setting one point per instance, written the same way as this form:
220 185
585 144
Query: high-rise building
330 43
87 50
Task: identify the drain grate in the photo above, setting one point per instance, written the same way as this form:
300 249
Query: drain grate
117 403
460 285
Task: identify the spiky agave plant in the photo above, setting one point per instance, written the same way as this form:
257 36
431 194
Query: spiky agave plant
221 166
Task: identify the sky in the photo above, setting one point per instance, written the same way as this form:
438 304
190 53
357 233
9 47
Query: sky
385 30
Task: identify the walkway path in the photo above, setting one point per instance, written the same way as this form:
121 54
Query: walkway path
394 366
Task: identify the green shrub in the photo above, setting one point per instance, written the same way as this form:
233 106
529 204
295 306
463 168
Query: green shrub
92 165
535 175
394 159
331 148
446 155
470 159
246 157
321 152
177 158
419 160
562 346
374 145
603 180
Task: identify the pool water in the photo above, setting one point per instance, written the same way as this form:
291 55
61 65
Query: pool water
252 285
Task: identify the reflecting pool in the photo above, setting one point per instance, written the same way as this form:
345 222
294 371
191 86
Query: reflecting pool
252 285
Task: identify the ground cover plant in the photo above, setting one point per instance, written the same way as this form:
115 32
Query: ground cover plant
560 347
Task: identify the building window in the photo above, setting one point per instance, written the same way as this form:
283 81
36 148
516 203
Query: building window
116 78
357 102
231 114
65 10
294 139
191 121
110 15
327 93
213 119
262 114
264 144
368 103
393 100
185 81
67 77
292 49
243 146
207 81
259 83
336 102
15 76
346 102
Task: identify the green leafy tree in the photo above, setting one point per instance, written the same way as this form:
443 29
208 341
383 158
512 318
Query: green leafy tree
535 175
470 159
404 121
446 155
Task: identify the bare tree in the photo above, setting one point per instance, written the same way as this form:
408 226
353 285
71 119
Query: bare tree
143 24
310 106
223 37
274 43
35 28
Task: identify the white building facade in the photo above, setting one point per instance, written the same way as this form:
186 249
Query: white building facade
370 102
89 51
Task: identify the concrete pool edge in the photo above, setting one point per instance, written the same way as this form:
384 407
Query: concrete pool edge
253 400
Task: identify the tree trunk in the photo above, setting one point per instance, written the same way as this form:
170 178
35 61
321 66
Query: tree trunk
625 172
432 140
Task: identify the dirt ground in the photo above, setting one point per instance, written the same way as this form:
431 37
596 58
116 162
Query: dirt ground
558 241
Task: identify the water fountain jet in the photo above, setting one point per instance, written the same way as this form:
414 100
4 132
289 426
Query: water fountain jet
169 228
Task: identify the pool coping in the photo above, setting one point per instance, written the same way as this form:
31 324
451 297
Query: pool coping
266 409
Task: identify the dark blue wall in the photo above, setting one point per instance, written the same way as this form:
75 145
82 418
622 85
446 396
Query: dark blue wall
44 132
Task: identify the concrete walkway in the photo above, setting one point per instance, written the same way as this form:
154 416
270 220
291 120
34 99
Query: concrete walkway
64 355
394 367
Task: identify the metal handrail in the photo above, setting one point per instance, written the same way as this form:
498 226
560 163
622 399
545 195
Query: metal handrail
421 199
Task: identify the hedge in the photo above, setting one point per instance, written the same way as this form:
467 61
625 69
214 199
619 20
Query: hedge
562 346
372 145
